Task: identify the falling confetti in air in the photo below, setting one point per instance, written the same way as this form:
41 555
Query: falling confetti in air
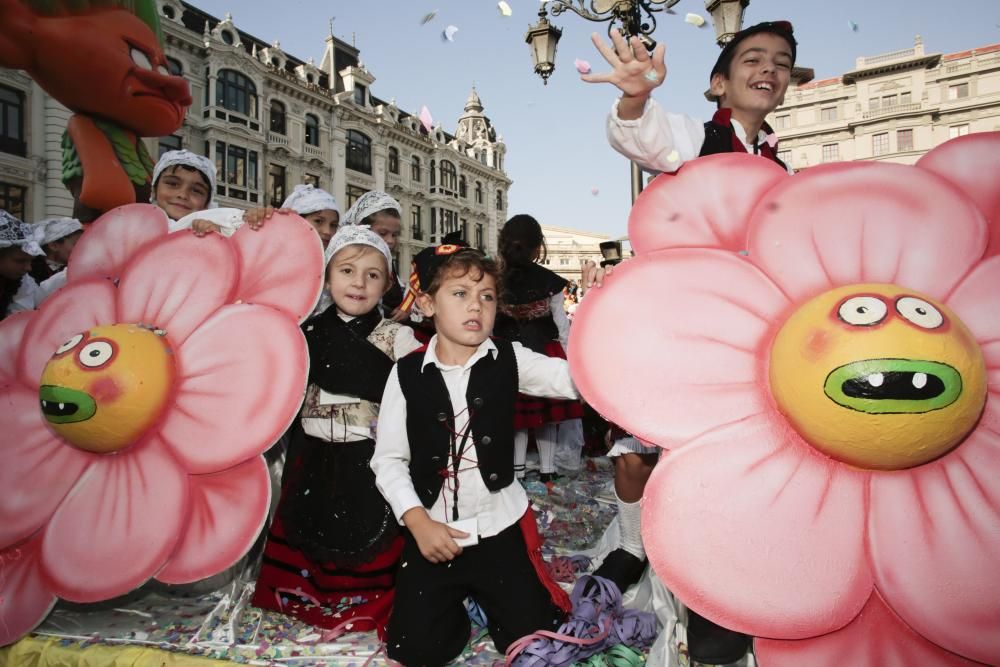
853 26
695 20
425 118
428 17
504 8
449 33
595 191
582 66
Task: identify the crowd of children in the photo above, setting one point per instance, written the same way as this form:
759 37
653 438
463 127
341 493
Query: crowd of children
401 496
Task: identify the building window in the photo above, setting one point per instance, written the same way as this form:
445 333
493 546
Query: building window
415 169
359 94
393 160
782 122
278 122
12 121
564 261
904 98
449 177
786 157
311 179
827 114
416 223
482 157
479 192
499 200
359 152
236 92
888 101
175 66
479 237
831 152
874 104
904 140
169 143
354 194
958 131
276 184
880 143
227 37
463 187
12 198
237 169
958 91
433 174
169 12
312 132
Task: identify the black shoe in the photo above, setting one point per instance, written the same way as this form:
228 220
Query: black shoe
547 477
713 644
621 567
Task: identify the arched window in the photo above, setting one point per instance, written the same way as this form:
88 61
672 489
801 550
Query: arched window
278 117
433 174
393 160
236 92
415 169
449 176
463 187
479 192
312 132
174 66
359 152
499 200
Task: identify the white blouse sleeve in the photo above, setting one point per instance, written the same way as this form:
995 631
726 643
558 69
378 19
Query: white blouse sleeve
659 140
227 219
404 342
559 315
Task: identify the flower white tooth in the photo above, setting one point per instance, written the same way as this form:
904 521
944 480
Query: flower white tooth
920 380
876 379
45 404
62 406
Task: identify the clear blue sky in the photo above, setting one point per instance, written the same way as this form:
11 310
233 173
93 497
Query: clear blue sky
557 151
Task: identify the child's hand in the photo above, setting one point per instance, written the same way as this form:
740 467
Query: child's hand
592 275
255 217
398 315
434 539
201 227
634 71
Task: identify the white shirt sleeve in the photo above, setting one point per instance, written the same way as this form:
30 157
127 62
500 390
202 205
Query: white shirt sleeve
27 297
538 375
227 219
404 342
655 137
391 460
50 285
559 315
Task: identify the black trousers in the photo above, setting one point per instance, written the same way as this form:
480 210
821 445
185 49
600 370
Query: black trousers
429 625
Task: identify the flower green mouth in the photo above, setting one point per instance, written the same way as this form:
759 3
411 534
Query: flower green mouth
65 406
894 386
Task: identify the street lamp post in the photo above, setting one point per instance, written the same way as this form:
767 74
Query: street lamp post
634 18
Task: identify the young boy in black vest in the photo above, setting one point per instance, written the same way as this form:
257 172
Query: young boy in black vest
749 81
444 460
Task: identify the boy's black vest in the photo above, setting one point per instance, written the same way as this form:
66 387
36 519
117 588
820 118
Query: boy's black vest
721 138
491 395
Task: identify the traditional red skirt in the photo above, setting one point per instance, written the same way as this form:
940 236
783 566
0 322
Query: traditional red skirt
532 411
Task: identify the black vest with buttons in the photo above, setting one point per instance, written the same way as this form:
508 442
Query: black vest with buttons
491 395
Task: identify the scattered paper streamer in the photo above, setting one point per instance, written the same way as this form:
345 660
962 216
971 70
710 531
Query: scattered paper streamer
853 26
425 118
695 20
449 33
428 17
582 66
504 8
595 191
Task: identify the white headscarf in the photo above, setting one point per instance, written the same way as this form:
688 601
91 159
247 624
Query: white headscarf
307 198
53 229
14 233
368 203
357 235
188 159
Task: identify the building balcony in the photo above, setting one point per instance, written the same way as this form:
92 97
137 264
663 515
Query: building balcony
277 139
314 152
894 110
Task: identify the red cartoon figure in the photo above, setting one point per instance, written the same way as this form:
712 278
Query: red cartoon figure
103 60
823 366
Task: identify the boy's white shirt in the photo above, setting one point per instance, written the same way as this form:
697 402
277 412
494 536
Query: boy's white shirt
662 141
494 511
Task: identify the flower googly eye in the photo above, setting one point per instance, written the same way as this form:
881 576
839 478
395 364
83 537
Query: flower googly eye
140 59
863 311
70 344
919 312
96 354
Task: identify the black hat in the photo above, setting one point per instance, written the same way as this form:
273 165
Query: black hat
454 237
780 28
429 260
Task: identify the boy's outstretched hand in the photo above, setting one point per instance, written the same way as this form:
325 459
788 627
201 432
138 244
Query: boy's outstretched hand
434 539
255 217
634 71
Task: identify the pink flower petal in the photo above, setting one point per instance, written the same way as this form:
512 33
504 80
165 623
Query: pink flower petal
38 468
753 529
852 223
977 302
109 242
971 163
25 599
11 335
876 638
228 510
281 265
176 283
934 537
241 377
118 526
689 210
75 308
675 343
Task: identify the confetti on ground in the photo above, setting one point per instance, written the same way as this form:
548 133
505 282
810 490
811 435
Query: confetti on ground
582 66
504 8
428 17
695 19
853 26
425 118
449 33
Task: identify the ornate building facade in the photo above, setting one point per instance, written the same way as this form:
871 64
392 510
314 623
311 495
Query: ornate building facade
892 107
567 248
270 121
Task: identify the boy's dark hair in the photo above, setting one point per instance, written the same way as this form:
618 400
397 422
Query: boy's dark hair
520 238
782 29
461 263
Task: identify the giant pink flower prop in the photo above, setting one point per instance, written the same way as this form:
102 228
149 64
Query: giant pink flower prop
821 356
165 367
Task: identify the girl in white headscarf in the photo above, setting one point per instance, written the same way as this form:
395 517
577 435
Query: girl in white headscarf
383 214
318 207
18 244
